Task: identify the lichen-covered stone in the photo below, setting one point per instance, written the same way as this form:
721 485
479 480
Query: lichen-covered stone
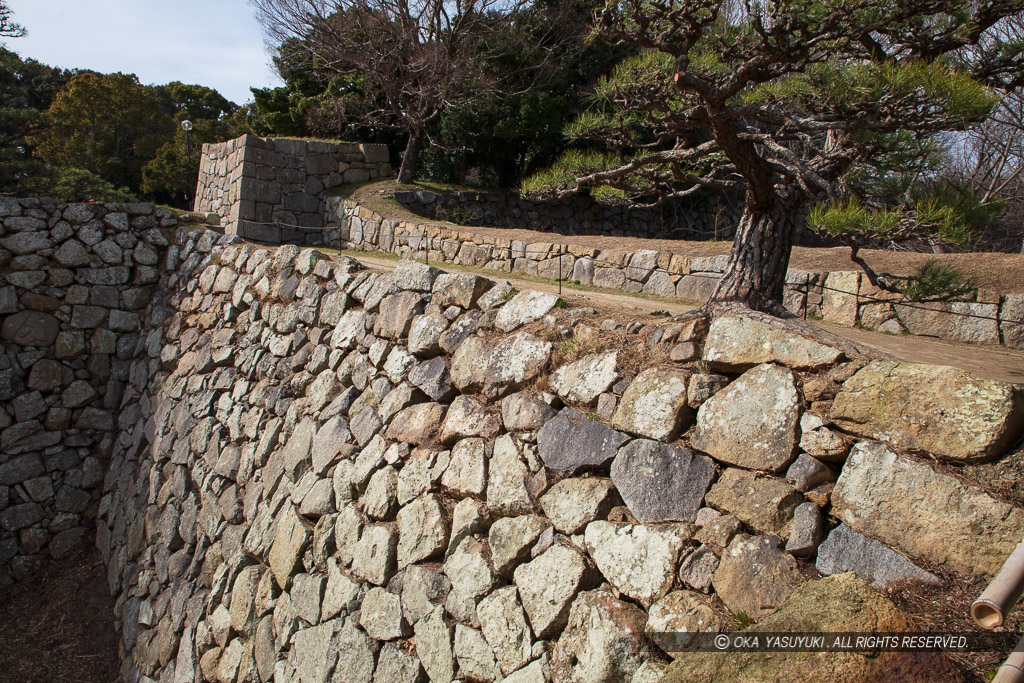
655 405
930 516
755 575
753 422
638 560
841 603
736 343
603 641
582 381
942 410
764 504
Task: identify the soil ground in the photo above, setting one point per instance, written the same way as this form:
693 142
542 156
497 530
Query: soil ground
58 627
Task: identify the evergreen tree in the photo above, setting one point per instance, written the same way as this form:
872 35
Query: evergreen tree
789 103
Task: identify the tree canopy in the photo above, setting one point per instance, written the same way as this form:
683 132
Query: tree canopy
787 103
402 64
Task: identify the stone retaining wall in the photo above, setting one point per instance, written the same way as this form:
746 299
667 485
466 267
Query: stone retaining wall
313 472
842 298
75 283
335 474
261 188
709 218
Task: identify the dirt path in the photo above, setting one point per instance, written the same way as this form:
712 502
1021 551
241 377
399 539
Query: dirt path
58 626
994 362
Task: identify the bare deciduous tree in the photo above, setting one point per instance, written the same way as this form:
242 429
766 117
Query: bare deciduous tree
420 54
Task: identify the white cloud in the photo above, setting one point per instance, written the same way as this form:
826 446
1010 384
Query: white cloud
216 43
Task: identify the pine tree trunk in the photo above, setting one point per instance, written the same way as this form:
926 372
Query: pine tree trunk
412 154
756 272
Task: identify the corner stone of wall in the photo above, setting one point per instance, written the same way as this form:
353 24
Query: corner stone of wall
76 285
270 189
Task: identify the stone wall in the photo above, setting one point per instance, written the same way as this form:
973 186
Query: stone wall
706 218
842 298
334 474
75 283
268 189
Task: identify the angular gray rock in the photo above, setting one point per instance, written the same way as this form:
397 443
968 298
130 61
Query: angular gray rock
808 531
507 493
458 289
469 364
736 343
928 515
603 641
845 550
396 314
355 651
373 558
381 615
504 626
432 379
467 418
396 666
697 570
434 646
511 538
290 541
806 473
943 410
422 530
467 472
661 483
521 412
425 334
571 441
469 570
416 276
476 660
679 614
422 590
514 362
764 504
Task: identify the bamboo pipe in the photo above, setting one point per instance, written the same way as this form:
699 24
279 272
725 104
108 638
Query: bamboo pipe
1012 670
989 611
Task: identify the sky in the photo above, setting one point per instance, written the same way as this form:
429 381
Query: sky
216 43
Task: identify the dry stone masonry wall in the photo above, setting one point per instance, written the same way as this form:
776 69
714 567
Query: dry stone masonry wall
324 473
843 298
75 283
264 188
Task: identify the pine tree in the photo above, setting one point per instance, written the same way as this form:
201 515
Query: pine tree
789 103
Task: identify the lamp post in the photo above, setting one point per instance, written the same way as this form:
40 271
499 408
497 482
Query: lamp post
186 126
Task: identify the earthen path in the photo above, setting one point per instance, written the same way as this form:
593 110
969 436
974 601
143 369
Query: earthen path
995 362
